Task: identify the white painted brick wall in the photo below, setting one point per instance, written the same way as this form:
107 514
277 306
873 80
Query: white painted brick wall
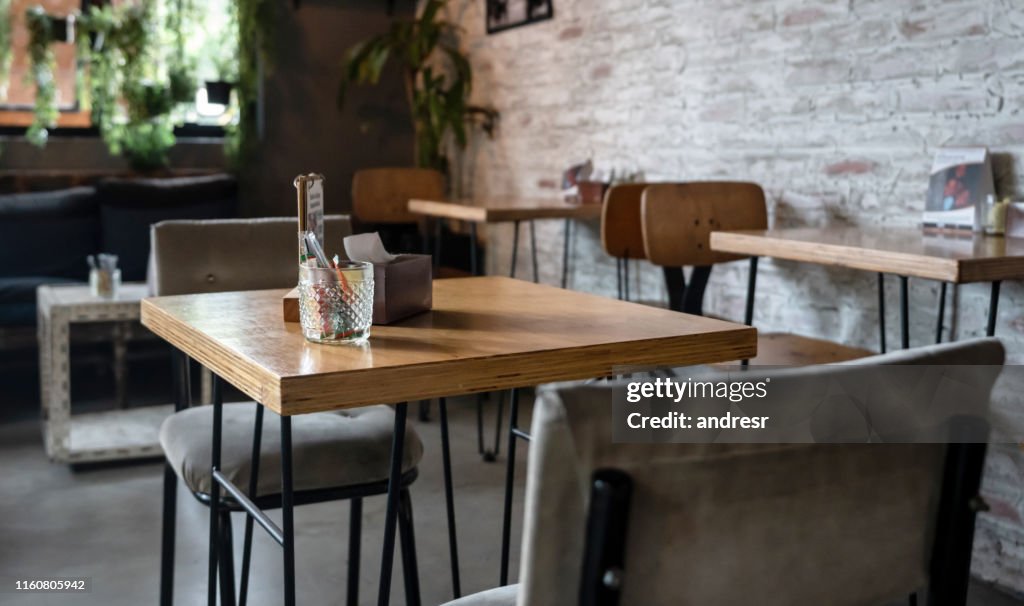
835 106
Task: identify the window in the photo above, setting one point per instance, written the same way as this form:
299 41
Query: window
210 43
16 109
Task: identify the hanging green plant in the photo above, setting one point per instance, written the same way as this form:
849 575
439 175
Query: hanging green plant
42 63
254 22
438 81
5 46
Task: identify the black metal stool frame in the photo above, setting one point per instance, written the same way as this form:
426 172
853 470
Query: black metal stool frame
397 500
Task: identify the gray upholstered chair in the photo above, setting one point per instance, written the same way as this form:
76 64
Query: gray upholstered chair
712 524
337 455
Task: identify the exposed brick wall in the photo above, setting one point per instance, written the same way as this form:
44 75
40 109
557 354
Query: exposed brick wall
835 107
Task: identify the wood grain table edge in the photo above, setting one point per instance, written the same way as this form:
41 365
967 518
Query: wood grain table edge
890 262
483 214
245 374
448 210
301 395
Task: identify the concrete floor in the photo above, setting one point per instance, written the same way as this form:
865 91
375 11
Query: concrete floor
104 523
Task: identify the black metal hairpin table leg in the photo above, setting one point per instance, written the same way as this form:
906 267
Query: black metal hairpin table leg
881 312
533 249
438 228
942 312
904 313
510 474
473 269
391 512
254 475
410 569
218 405
993 308
287 514
618 276
489 456
515 249
566 244
449 497
748 314
625 278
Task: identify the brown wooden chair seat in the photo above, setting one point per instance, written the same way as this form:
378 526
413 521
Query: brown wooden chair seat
677 220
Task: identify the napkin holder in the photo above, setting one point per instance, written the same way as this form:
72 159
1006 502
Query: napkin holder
402 288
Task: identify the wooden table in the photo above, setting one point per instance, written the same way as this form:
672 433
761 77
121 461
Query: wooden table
109 435
483 334
957 258
504 210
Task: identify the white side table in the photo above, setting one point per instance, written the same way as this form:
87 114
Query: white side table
99 436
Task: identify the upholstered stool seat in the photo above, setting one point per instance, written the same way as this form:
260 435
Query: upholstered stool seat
502 596
330 450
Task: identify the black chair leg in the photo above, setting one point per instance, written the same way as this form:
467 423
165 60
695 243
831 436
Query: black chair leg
167 551
424 413
693 298
355 535
675 283
510 474
410 569
254 476
226 560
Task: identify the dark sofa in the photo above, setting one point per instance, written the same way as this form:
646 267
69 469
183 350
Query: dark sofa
46 236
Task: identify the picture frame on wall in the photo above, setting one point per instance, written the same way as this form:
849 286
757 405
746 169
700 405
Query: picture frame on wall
507 14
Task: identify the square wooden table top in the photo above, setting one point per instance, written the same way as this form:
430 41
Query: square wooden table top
498 210
483 334
950 257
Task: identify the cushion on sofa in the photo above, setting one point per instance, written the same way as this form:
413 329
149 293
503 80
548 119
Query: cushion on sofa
130 206
48 233
18 298
178 191
126 230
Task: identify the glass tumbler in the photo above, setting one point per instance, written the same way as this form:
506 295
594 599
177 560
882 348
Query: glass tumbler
105 284
336 305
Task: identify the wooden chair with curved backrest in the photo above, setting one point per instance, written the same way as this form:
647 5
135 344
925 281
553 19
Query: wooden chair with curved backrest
380 198
677 220
621 232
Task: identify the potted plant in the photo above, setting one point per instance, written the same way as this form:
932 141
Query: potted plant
225 64
181 84
438 81
41 66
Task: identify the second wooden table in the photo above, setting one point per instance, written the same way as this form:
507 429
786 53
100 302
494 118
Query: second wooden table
907 252
504 210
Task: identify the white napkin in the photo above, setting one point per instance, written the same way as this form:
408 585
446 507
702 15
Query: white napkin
367 248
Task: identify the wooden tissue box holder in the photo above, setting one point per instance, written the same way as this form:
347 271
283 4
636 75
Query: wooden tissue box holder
402 288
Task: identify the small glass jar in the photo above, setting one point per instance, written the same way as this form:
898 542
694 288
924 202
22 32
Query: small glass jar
990 216
105 283
336 305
